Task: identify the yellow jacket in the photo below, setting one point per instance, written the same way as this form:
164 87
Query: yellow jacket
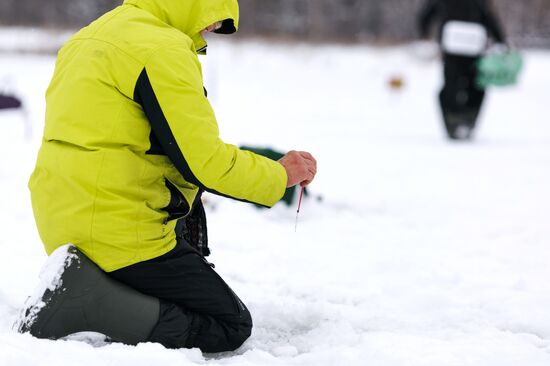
126 117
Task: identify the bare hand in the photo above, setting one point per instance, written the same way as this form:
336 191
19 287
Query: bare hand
300 167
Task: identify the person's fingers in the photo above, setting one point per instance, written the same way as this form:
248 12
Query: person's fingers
311 165
308 179
312 168
301 167
305 183
309 160
307 156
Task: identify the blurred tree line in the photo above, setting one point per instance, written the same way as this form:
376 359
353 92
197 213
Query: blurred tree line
527 22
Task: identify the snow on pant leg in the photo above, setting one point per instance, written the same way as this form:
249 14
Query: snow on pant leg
198 308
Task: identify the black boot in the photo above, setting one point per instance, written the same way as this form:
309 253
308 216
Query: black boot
85 299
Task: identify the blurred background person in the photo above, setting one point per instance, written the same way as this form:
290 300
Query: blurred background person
464 27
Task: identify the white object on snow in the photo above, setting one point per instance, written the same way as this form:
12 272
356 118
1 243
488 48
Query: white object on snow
464 38
50 279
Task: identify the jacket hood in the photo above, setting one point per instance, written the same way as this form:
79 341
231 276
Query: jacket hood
193 16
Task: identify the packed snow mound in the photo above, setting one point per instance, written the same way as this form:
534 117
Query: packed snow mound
50 279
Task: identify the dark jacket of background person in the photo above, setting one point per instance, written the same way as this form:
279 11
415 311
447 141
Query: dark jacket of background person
477 11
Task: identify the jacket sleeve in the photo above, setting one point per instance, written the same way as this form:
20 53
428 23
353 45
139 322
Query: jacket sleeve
491 22
171 94
426 17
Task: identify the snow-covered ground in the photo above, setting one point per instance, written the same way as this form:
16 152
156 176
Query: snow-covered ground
423 252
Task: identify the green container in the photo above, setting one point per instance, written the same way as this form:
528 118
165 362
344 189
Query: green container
499 69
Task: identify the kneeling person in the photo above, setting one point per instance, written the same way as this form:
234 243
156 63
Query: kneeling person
130 143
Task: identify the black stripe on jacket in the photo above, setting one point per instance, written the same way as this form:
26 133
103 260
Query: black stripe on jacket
145 96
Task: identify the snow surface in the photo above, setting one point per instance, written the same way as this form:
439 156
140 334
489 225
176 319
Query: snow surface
423 251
